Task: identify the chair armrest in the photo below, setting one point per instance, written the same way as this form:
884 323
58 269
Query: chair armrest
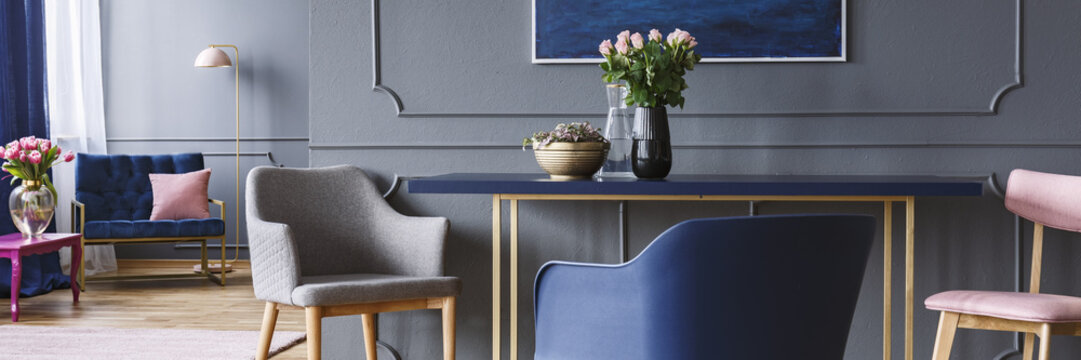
80 208
274 260
220 204
589 311
413 245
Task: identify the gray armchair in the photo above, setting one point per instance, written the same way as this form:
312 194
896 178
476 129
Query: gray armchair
325 240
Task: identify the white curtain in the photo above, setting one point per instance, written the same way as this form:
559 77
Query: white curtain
76 105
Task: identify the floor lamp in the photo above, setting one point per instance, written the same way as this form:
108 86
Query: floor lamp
214 57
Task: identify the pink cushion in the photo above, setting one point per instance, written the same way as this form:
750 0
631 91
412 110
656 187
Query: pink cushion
1048 199
180 196
1009 305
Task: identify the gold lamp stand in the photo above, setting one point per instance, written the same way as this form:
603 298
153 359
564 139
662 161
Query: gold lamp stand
214 57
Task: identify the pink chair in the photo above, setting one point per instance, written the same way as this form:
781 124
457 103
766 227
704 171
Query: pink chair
1047 200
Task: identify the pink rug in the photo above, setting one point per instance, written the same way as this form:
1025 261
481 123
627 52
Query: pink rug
48 342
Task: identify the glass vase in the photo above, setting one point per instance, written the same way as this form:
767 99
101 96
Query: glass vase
31 206
618 131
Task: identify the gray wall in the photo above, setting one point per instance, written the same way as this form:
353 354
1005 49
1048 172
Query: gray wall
157 102
928 89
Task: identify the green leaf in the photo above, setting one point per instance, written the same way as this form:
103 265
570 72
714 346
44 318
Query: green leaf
640 95
49 184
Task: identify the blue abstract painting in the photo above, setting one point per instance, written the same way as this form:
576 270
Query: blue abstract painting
568 31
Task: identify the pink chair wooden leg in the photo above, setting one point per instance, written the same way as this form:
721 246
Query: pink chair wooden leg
16 280
76 258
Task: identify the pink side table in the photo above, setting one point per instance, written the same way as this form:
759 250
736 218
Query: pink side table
14 246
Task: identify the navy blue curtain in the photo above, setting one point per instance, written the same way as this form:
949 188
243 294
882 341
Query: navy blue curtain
24 112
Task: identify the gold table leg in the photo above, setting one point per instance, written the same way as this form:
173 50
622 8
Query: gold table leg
910 241
496 237
887 265
514 280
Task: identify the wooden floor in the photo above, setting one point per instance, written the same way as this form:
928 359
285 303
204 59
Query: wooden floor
171 303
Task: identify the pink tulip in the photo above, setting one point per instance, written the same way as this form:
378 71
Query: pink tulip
69 156
9 154
637 41
14 145
45 145
622 47
606 47
22 155
35 157
29 142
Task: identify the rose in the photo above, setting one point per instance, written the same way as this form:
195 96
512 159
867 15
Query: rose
684 37
606 47
692 44
655 35
679 37
637 41
69 156
622 47
623 36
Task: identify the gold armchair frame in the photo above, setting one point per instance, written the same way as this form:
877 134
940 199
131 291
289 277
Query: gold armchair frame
80 208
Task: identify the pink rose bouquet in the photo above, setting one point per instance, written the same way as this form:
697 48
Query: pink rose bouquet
653 70
29 158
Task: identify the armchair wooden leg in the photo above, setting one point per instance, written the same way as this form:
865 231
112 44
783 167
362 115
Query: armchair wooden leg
1029 344
223 262
370 335
203 260
947 327
270 318
1045 342
314 320
448 327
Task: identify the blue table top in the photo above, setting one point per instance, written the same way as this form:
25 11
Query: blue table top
769 185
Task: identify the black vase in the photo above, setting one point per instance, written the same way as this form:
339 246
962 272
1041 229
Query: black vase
651 148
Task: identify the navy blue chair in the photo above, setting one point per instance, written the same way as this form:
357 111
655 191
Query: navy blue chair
763 287
114 199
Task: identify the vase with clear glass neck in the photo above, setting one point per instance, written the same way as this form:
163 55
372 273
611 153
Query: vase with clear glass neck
618 131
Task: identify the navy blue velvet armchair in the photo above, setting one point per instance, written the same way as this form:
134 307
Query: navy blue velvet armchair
763 287
114 200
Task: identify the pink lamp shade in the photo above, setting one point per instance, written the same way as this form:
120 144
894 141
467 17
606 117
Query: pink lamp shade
213 57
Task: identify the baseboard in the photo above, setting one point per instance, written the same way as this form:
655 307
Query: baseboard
174 263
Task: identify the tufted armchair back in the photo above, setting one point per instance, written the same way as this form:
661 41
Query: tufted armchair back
117 187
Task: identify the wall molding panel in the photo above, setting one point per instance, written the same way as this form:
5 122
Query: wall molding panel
897 145
205 139
991 110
